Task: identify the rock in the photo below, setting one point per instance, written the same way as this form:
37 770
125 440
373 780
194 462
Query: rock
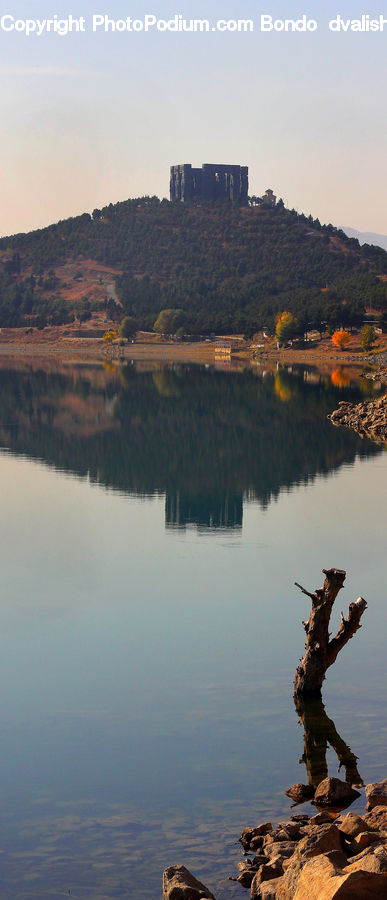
313 874
334 792
322 839
260 859
290 829
363 840
368 417
179 884
268 839
374 860
265 873
280 834
283 834
246 874
265 891
352 825
327 857
300 793
322 818
320 879
269 889
256 843
249 834
377 818
376 794
285 849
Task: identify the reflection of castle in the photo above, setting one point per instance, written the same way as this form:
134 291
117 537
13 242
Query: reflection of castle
205 512
202 438
211 182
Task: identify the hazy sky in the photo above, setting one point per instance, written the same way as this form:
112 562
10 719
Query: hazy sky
92 118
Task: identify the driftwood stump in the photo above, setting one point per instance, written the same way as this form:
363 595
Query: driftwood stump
321 651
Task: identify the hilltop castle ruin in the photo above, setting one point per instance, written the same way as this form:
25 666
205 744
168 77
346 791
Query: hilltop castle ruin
211 182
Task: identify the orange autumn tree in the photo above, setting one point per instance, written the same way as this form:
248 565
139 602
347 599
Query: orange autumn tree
341 339
110 336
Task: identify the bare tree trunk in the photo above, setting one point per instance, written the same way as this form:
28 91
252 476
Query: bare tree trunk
321 652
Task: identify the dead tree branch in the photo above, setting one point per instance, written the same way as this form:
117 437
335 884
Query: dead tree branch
320 651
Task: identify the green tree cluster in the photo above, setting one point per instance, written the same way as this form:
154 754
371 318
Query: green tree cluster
367 337
169 321
128 327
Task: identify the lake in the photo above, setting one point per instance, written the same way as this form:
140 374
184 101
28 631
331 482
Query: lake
154 521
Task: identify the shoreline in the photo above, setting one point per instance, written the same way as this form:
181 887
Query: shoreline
86 350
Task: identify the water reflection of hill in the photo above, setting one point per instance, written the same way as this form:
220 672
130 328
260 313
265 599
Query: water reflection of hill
205 439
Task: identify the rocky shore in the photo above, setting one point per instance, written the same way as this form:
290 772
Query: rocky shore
323 857
368 418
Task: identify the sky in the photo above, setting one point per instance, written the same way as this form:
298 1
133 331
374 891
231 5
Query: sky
90 118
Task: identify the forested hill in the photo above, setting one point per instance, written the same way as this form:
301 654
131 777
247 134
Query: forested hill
230 268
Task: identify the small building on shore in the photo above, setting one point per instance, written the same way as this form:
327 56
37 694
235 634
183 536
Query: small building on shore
223 350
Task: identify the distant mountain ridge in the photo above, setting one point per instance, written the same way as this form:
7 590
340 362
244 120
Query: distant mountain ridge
367 237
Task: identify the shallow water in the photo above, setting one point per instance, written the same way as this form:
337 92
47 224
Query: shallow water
153 524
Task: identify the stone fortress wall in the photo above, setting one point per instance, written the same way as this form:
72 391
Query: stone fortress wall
211 182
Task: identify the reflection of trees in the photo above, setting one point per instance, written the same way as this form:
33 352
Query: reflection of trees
204 438
340 377
167 383
282 385
319 732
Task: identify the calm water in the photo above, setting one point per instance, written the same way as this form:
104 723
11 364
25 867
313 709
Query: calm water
152 526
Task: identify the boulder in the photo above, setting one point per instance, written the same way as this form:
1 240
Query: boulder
363 840
246 874
334 792
179 884
376 794
300 792
249 834
291 829
280 834
285 849
370 860
322 818
352 825
320 879
260 858
256 843
268 890
266 873
377 818
322 839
